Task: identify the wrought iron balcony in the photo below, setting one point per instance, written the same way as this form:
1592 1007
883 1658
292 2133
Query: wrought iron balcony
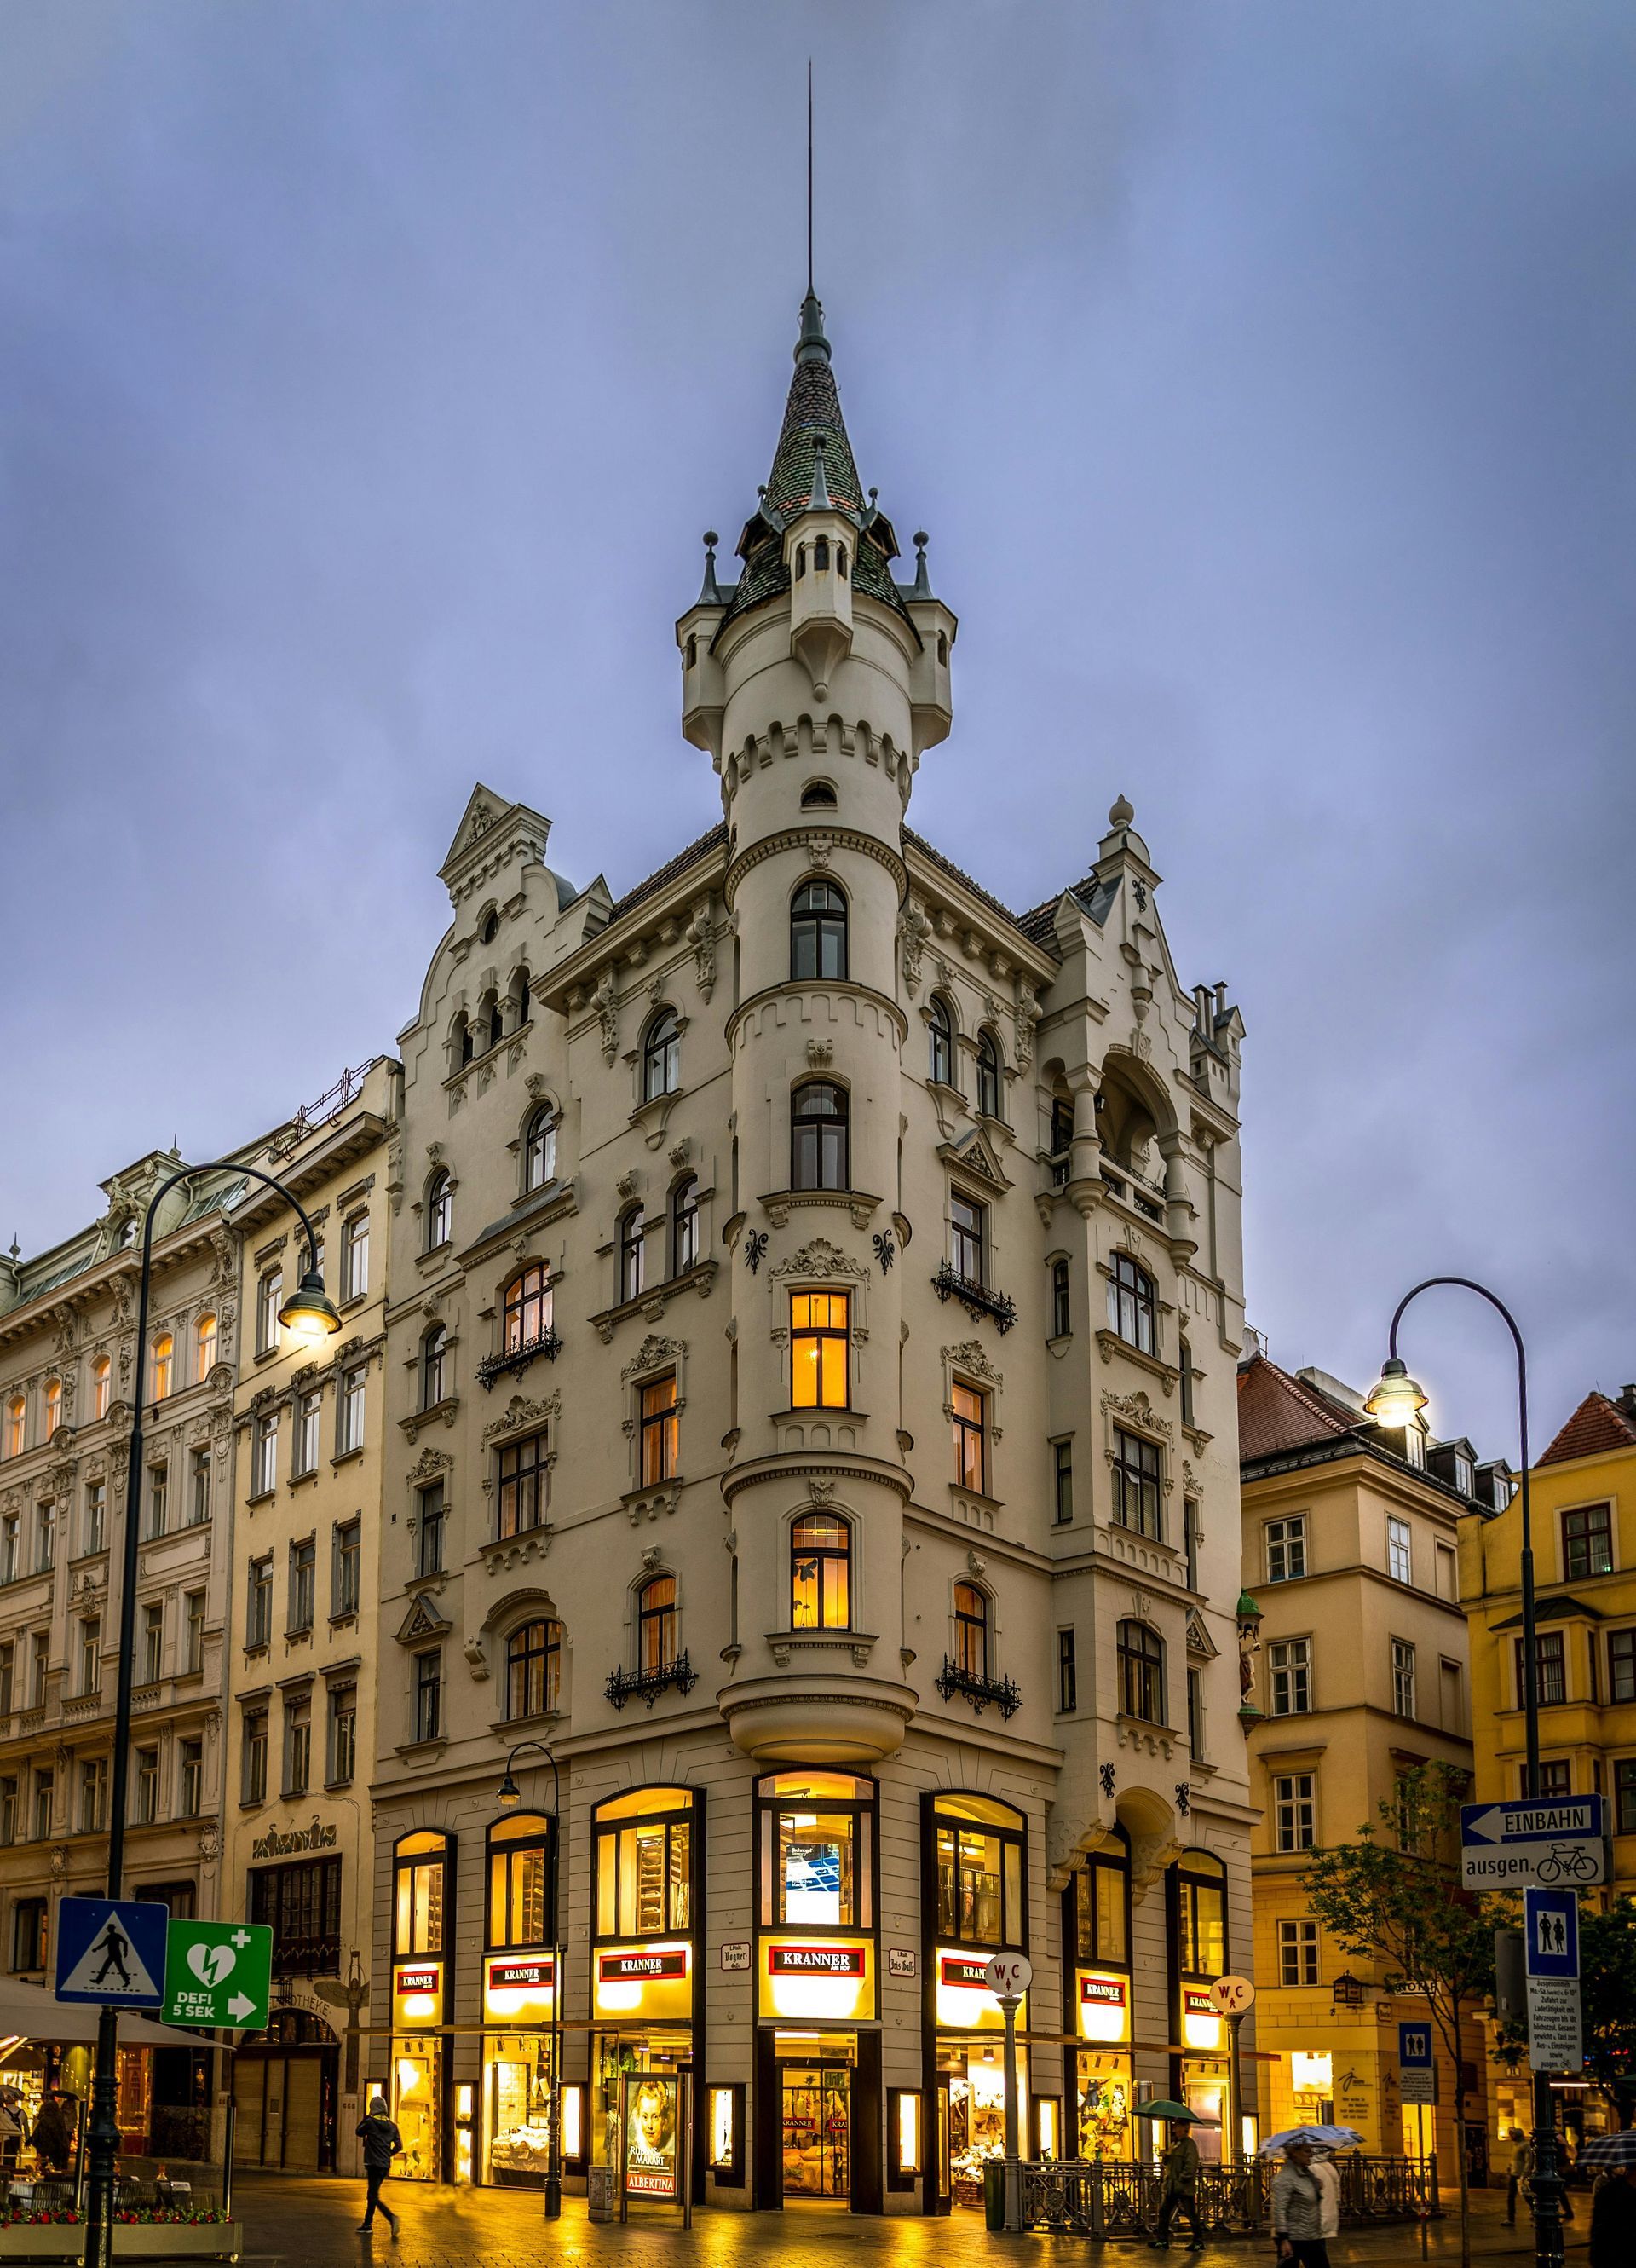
646 1686
975 1299
978 1689
517 1358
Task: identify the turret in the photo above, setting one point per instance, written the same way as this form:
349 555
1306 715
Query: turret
819 546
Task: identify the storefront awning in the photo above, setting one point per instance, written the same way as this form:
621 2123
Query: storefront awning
29 2013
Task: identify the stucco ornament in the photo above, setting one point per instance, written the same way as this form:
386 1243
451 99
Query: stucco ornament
606 1001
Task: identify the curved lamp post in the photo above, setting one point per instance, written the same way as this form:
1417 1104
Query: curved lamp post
510 1796
1395 1401
310 1318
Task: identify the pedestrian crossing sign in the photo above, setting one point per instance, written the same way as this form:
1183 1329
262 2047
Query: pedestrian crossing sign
111 1952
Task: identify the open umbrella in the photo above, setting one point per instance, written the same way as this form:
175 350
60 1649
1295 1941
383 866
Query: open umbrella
1173 2111
1610 2150
1321 2138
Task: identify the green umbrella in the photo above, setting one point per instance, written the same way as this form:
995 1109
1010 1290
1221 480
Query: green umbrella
1173 2111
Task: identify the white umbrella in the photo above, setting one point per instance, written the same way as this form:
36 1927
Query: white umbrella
29 2013
1321 2138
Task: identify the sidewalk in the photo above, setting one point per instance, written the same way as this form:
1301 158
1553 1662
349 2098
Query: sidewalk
312 2223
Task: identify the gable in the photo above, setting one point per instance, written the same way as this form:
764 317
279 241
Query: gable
974 1154
423 1620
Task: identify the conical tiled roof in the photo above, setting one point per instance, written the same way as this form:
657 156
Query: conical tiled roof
811 412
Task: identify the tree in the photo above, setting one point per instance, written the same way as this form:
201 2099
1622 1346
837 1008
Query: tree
1393 1897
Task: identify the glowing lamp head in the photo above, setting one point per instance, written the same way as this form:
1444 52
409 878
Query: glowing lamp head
307 1315
1396 1400
510 1794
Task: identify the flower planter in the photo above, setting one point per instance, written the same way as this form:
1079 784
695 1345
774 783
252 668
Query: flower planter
65 2240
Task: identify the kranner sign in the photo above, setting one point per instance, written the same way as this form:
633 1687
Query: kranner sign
1195 2003
816 1961
521 1975
957 1970
627 1968
1104 1991
418 1980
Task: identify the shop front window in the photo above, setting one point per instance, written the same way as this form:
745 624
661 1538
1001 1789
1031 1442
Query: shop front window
644 1863
1201 1916
519 1881
817 1861
422 1866
1102 1907
978 1848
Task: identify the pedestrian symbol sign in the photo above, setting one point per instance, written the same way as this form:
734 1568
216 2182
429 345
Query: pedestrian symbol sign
111 1952
219 1973
1552 1934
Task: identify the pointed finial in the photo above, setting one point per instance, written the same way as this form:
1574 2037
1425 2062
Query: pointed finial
17 1249
708 593
1121 812
818 495
922 587
812 346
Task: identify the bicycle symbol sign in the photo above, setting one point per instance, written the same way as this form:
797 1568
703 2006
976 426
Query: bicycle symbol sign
1535 1842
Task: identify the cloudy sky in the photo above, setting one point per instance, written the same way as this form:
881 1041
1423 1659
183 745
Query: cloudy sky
1263 372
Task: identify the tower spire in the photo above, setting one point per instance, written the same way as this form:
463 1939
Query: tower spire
810 291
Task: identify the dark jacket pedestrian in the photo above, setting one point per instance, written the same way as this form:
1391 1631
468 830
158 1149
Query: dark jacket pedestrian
382 2143
1179 2197
1613 2222
54 2134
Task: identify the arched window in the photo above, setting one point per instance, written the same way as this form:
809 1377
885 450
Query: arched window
685 1225
970 1629
980 1848
801 561
164 1370
540 1148
841 560
1061 1305
633 1252
460 1040
820 1572
817 932
1102 1899
661 1057
525 1308
204 1345
817 1137
421 1864
943 647
1132 1308
820 796
439 1209
491 1022
434 1367
692 652
16 1422
1141 1672
521 1005
520 1876
988 1076
533 1665
54 1404
656 1624
942 1041
102 1385
489 927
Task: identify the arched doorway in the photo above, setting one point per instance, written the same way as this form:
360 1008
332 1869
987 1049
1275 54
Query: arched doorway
284 2090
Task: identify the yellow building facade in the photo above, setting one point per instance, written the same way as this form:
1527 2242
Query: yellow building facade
1350 1537
1583 1493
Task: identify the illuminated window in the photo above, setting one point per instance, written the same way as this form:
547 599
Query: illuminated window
1102 1906
817 1832
971 1461
644 1862
420 1866
656 1624
102 1385
519 1881
818 1350
15 1419
1201 1914
526 1309
204 1344
978 1846
524 1475
818 1142
990 1079
820 1572
533 1664
633 1252
817 931
54 1400
661 1057
940 1029
1136 1483
439 1209
1132 1304
659 1429
434 1367
1141 1651
970 1629
685 1225
540 1148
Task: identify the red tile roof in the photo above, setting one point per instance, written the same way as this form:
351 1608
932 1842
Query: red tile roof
1278 1413
1596 1428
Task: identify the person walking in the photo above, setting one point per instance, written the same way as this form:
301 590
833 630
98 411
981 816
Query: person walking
1298 2202
1180 2191
54 2133
11 2128
1522 2159
382 2143
1613 2221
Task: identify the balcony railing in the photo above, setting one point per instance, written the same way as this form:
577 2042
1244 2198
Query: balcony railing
647 1685
978 1689
1149 1207
517 1358
975 1299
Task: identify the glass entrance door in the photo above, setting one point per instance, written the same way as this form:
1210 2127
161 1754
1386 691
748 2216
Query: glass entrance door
817 2131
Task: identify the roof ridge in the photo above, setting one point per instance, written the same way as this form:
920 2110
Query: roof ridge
691 856
1598 1425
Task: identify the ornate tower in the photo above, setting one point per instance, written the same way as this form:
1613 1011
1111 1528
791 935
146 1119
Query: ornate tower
815 683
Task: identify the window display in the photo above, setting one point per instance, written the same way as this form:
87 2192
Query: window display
519 2109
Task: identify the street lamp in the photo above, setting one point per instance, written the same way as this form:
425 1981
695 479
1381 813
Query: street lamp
508 1795
311 1317
1394 1400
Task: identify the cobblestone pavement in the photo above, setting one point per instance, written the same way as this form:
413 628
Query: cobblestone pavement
313 2223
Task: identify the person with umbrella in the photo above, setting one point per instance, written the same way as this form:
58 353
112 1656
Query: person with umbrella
1613 2208
1179 2192
1298 2210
